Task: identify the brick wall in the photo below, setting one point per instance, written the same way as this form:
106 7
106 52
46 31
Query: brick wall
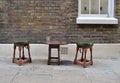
36 19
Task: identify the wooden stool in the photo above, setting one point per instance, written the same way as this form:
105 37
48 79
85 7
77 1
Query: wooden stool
22 59
84 46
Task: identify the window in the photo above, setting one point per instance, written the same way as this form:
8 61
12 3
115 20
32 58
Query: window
96 12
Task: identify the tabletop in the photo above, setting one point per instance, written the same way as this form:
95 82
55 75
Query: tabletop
55 43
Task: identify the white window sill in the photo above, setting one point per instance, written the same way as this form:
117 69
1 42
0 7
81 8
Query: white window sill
96 20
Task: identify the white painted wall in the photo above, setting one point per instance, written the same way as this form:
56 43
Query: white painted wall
41 50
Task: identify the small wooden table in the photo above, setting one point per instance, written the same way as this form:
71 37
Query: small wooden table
54 45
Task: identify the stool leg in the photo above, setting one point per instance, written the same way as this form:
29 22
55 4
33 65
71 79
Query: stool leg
58 55
28 47
23 56
91 58
19 52
14 53
75 60
84 64
82 55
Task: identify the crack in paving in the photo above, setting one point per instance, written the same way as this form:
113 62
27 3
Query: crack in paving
14 77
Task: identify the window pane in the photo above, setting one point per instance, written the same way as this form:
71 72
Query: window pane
84 6
103 6
94 6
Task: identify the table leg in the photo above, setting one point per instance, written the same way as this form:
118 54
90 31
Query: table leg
58 55
49 55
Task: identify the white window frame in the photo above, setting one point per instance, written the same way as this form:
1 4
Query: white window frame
97 18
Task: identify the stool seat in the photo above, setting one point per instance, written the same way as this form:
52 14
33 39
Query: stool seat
21 42
84 46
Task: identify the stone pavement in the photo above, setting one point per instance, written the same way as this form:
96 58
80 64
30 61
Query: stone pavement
102 71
